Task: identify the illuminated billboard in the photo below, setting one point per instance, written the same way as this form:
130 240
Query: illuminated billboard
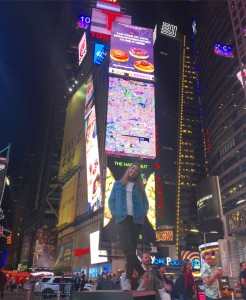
82 49
169 29
209 204
115 170
223 50
241 75
68 201
84 21
92 163
101 20
131 51
73 132
130 129
100 52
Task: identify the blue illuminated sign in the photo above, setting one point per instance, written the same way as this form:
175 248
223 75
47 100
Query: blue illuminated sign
168 261
100 53
84 21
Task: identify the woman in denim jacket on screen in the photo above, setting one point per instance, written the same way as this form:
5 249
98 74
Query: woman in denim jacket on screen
129 205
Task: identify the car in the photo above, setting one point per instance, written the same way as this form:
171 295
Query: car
49 286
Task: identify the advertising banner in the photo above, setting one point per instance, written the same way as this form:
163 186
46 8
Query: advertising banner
208 198
130 129
68 201
131 51
73 132
44 249
64 255
92 163
25 250
116 168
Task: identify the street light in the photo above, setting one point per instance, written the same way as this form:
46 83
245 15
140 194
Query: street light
204 234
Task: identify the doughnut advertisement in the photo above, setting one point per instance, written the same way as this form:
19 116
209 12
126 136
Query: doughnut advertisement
130 128
131 52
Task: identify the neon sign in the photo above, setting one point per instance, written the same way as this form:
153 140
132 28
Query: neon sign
169 262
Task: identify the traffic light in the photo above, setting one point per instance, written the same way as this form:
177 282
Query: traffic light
9 239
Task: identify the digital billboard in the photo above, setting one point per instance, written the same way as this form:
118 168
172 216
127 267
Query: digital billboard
223 50
92 163
82 49
208 200
84 21
116 168
241 75
131 51
130 129
100 52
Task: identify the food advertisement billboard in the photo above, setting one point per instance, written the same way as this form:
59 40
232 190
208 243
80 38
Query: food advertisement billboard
131 52
116 167
130 129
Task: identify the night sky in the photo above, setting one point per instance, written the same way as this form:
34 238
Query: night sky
27 30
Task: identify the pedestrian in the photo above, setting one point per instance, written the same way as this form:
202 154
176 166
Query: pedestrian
185 283
164 284
76 281
82 280
242 279
129 205
3 280
13 284
105 283
152 280
211 276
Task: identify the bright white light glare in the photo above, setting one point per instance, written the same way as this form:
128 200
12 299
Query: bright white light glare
7 181
70 89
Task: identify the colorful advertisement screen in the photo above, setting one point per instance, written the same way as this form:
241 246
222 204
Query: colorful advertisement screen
92 163
116 168
130 127
223 50
131 51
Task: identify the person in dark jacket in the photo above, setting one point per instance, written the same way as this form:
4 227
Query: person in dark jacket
105 283
3 280
185 283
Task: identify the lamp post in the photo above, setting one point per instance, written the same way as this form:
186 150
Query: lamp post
204 235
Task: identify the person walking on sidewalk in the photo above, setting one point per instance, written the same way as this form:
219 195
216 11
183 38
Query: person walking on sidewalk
3 280
242 278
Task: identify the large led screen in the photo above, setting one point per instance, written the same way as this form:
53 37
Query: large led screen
92 162
132 51
115 170
223 50
130 129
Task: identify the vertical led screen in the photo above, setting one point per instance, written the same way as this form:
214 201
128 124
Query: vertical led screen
130 129
132 51
92 153
115 170
25 250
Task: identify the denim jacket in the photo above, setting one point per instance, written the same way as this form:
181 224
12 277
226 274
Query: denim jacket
117 203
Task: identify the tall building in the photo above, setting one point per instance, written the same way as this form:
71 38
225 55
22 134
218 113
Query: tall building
220 53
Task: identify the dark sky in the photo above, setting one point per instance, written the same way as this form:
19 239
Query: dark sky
26 33
27 30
